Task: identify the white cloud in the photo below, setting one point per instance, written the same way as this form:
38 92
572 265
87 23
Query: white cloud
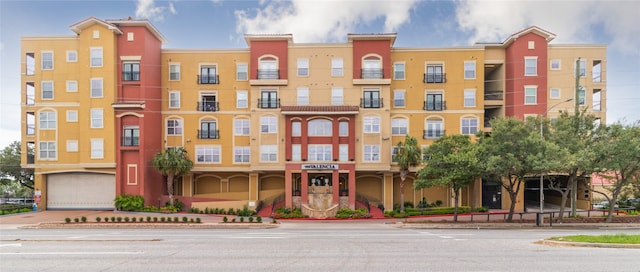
572 21
147 9
322 21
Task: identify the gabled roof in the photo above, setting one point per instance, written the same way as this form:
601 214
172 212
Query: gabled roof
532 29
82 25
112 24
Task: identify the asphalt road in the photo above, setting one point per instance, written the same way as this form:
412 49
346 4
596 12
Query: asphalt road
306 246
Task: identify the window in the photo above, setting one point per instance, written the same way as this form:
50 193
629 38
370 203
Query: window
207 154
470 69
583 67
596 71
554 93
371 124
470 98
241 154
319 152
531 45
72 56
72 86
96 87
97 148
433 129
268 69
399 126
268 153
268 124
96 57
31 93
241 127
47 150
208 74
398 98
96 118
96 34
319 127
174 127
530 95
398 71
208 101
131 136
47 120
131 71
208 130
47 60
371 153
72 145
242 99
371 99
47 90
372 68
343 128
435 73
174 99
303 67
394 152
469 126
303 96
582 96
423 150
343 150
30 63
336 67
72 116
269 99
174 71
296 129
130 36
242 71
530 66
337 96
296 152
434 102
596 99
556 64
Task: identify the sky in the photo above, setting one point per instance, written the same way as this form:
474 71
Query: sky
221 24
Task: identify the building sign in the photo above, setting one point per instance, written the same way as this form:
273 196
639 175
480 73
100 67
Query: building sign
319 167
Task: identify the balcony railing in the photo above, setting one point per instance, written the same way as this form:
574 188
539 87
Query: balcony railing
130 141
209 134
371 73
130 76
208 106
493 95
31 159
433 133
434 106
371 103
268 74
208 79
268 103
435 78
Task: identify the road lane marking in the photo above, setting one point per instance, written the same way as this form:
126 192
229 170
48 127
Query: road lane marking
75 253
14 245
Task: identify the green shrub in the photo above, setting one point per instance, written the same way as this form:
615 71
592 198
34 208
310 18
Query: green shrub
288 213
148 219
155 219
178 205
68 220
133 219
482 209
241 219
98 219
76 220
206 210
191 220
176 219
106 219
141 220
275 221
119 219
113 219
250 219
162 219
126 219
225 219
83 219
185 219
198 220
129 202
259 219
231 211
233 220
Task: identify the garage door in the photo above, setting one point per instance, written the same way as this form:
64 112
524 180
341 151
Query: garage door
81 191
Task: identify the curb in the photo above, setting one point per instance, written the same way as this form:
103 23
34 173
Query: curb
150 226
547 242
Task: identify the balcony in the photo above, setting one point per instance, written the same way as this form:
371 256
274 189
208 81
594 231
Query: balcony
208 79
371 103
435 78
268 103
493 98
130 76
31 159
371 76
209 106
434 106
433 133
209 134
268 77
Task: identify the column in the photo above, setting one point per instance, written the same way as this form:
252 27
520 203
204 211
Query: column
335 187
387 186
304 187
288 189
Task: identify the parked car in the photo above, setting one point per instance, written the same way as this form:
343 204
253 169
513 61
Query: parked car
602 205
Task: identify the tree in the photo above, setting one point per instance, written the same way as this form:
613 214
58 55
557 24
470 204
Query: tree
513 151
617 150
10 165
407 155
172 162
574 134
453 161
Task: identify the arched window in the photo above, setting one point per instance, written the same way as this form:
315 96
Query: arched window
319 127
371 67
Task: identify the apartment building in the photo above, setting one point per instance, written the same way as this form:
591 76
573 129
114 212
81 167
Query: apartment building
311 126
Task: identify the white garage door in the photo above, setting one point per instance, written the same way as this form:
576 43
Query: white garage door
81 191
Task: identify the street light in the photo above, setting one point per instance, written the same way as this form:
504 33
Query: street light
542 136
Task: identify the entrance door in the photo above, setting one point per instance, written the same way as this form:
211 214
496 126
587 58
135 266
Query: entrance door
491 194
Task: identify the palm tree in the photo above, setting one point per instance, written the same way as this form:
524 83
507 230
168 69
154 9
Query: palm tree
172 162
407 155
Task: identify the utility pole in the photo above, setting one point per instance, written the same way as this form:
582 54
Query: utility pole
574 185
